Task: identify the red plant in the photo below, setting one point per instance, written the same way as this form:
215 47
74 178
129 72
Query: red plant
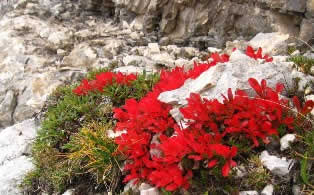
258 55
102 80
149 125
212 124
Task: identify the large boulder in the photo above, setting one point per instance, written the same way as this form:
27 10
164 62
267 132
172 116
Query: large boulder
235 74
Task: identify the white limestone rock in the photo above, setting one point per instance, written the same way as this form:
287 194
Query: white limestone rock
153 48
14 145
235 74
206 80
134 69
268 190
163 58
286 140
146 189
213 50
137 61
271 43
278 166
112 134
248 193
150 191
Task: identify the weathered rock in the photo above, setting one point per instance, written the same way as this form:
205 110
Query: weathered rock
278 166
134 69
286 140
113 47
60 39
14 146
163 58
268 190
234 74
69 192
150 191
189 52
307 30
137 61
153 48
178 19
296 190
205 81
248 193
296 6
310 8
81 56
271 43
146 189
7 106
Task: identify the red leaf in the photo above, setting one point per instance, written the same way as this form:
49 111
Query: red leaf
225 170
308 107
195 157
296 103
230 95
264 84
259 53
279 87
250 52
255 85
212 163
171 187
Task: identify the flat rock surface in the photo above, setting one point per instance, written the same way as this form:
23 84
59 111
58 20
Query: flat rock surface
14 151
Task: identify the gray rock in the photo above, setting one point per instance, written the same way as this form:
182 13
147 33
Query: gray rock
178 19
137 61
189 52
296 6
310 8
278 166
81 56
296 190
7 106
271 43
307 30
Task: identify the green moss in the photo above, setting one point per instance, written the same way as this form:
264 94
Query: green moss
258 177
302 62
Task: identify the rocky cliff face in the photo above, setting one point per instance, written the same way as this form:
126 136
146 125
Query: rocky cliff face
217 21
200 23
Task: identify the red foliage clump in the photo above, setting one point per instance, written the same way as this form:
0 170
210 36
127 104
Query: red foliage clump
258 55
149 125
102 80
